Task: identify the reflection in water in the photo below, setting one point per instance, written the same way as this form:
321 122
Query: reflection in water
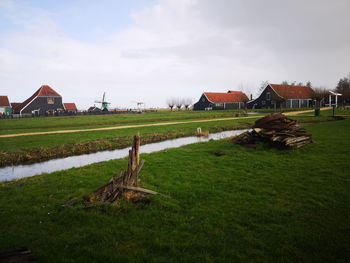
20 171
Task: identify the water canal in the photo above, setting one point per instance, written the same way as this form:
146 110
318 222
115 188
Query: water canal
20 171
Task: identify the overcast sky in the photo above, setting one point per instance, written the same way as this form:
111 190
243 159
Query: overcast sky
150 50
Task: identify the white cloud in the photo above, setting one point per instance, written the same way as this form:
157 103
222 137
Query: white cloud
177 48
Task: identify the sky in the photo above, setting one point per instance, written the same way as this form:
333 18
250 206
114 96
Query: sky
151 50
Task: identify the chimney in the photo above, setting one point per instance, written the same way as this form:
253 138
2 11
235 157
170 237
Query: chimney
251 96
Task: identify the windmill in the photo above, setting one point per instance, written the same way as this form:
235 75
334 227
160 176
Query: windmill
104 104
139 105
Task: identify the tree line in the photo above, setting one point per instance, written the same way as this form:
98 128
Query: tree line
179 103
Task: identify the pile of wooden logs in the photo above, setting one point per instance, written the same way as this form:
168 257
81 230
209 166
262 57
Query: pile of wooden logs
126 183
276 129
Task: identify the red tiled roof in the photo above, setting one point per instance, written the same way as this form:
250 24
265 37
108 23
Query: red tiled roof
15 104
70 106
232 96
293 92
47 91
4 101
43 91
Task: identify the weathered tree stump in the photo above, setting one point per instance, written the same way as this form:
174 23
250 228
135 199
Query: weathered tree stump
126 183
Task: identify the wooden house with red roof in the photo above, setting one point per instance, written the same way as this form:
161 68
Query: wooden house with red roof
287 96
70 108
5 106
45 101
221 101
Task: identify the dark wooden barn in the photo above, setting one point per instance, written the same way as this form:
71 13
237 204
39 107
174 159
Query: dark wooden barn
45 101
287 96
221 101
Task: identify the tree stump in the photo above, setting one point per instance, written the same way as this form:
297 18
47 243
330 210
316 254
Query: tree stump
126 183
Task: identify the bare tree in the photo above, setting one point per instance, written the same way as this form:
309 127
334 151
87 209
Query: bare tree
247 91
187 103
319 94
178 103
343 87
262 86
171 103
244 99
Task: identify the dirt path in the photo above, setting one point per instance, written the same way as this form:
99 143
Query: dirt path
293 113
144 125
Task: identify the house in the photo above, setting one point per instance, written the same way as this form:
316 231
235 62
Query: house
221 101
45 101
94 109
70 108
287 96
5 106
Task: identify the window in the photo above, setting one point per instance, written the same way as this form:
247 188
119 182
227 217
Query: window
268 96
50 100
263 102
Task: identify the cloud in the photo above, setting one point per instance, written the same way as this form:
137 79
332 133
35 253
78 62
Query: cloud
176 48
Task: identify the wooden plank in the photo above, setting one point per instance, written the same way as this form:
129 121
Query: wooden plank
129 170
138 189
134 178
140 166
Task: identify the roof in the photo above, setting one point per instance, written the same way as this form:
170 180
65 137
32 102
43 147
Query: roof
231 96
47 91
70 106
92 108
335 93
15 104
293 92
43 91
4 101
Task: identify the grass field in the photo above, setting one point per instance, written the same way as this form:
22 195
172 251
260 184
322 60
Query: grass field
29 149
246 205
9 126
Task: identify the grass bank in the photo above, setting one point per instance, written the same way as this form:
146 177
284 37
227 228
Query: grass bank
31 149
262 205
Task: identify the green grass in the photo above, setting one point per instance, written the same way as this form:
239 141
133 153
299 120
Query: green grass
29 149
262 205
9 126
